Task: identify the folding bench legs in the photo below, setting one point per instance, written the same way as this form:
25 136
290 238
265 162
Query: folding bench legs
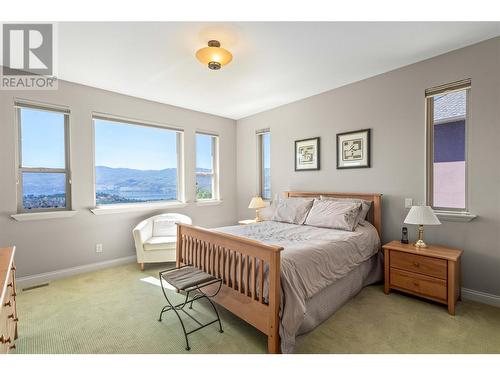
182 305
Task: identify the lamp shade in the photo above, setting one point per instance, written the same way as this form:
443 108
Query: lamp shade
421 215
256 202
214 56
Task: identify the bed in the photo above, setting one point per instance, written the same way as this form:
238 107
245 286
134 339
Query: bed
285 294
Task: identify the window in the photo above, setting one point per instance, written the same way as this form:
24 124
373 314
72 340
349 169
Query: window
447 121
264 160
136 163
207 174
44 176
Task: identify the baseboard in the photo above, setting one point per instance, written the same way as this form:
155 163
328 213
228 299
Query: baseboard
486 298
41 278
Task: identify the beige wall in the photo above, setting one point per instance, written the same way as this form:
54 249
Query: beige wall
392 105
56 244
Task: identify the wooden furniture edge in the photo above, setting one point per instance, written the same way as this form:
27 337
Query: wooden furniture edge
7 273
234 259
12 252
264 317
453 271
440 252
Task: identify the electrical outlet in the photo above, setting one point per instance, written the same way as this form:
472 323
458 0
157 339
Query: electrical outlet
98 248
408 202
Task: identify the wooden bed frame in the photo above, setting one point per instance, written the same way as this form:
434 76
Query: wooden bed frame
240 263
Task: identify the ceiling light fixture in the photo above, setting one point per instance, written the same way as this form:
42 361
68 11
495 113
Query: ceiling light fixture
214 56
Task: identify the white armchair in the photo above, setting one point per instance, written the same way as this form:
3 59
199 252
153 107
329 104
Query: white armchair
155 238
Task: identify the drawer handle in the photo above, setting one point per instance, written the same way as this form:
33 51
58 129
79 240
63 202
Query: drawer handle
8 303
10 284
13 268
3 340
14 294
12 347
11 316
416 264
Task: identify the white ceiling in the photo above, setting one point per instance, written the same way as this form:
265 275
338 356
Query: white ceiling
274 63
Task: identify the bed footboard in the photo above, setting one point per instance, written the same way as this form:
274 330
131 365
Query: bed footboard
243 265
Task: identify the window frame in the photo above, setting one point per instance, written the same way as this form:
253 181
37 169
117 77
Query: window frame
260 164
18 106
429 108
179 154
215 167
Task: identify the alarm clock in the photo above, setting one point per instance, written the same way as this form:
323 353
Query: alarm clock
404 235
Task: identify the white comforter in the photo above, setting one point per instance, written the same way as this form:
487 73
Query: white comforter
313 258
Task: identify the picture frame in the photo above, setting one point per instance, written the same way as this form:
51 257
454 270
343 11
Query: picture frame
307 154
354 149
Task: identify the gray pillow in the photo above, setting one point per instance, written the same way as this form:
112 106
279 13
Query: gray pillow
292 210
364 208
334 214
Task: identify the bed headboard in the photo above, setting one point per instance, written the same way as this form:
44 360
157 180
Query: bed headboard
374 216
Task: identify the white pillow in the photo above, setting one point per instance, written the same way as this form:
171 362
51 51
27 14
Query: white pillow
292 210
164 228
364 208
334 214
267 212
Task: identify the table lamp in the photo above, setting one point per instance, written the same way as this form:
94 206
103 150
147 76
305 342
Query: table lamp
257 203
421 215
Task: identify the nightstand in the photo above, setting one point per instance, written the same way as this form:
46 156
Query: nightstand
248 221
432 272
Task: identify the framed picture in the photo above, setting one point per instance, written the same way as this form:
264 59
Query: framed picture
307 154
353 149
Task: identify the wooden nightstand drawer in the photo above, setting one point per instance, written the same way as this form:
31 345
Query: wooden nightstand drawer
432 272
419 264
420 284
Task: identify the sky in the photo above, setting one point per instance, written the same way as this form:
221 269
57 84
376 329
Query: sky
134 146
42 135
204 151
116 145
266 144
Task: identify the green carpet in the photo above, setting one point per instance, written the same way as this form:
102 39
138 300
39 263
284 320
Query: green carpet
114 311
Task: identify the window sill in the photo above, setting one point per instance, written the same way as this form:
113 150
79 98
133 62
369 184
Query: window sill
118 209
455 216
29 216
209 202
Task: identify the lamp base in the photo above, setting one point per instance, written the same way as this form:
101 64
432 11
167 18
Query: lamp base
257 216
420 244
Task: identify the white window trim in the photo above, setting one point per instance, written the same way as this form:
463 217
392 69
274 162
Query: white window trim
44 215
136 207
208 202
216 198
444 213
53 108
455 216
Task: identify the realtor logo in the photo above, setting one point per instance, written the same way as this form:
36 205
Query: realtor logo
28 57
